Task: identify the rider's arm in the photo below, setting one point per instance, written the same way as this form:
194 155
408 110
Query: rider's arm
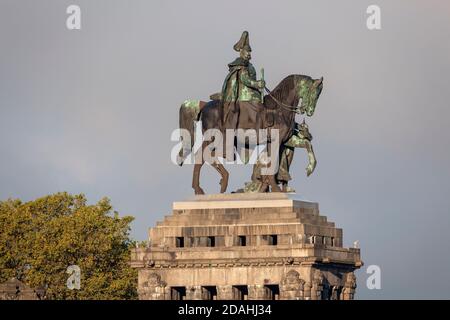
247 80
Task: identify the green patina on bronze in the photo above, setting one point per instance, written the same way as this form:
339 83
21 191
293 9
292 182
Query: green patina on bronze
309 90
240 84
192 108
192 104
302 139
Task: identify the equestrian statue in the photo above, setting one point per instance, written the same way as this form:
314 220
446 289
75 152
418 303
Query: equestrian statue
245 118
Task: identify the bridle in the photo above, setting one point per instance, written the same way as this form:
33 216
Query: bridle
294 109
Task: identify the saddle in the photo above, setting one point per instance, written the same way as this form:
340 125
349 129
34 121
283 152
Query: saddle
253 116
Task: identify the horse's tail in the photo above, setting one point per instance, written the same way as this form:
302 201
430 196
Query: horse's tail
189 114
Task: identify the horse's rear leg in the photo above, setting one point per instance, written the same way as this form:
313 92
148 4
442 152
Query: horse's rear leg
196 174
196 179
224 174
264 187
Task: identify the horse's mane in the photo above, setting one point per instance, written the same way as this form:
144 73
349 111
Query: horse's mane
283 89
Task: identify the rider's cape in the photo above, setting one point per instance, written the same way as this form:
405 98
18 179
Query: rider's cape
240 84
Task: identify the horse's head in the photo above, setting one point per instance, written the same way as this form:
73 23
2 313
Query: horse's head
309 92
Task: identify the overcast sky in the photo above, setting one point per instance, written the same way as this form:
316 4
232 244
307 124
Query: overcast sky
92 111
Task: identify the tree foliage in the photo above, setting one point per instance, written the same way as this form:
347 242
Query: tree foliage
40 239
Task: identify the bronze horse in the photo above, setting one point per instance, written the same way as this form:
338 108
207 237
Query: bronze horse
280 107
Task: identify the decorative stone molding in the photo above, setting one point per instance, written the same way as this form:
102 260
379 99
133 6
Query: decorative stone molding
223 268
194 293
153 288
317 285
149 263
14 289
225 293
336 293
307 291
257 292
348 293
292 287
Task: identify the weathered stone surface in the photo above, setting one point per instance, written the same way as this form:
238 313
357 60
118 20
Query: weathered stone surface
246 246
292 287
14 289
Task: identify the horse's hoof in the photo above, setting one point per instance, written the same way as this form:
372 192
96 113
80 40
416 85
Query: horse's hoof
263 188
275 188
199 191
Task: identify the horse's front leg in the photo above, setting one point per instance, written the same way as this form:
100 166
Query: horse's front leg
264 185
269 181
311 157
199 161
224 176
273 184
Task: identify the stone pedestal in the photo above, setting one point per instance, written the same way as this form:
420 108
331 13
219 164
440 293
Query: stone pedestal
246 246
14 289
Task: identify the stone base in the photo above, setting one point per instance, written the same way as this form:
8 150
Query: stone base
246 246
14 289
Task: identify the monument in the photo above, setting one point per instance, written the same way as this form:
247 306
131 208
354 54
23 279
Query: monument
261 242
246 246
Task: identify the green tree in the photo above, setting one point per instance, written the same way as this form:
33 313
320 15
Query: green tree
40 239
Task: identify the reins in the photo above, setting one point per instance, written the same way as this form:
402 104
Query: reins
281 104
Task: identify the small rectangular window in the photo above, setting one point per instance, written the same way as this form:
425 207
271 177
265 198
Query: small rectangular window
240 292
209 293
272 240
242 241
179 242
211 242
272 292
177 293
